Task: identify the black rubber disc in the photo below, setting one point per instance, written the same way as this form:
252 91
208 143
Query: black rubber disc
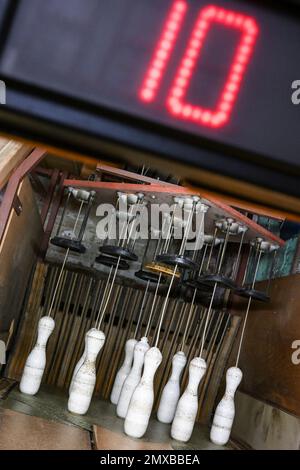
196 284
148 276
118 251
110 261
181 261
67 243
253 293
222 281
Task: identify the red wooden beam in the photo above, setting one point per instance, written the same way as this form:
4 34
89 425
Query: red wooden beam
173 189
129 175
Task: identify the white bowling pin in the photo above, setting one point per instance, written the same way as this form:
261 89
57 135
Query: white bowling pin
187 408
36 361
78 365
171 391
225 411
85 379
140 407
133 378
123 371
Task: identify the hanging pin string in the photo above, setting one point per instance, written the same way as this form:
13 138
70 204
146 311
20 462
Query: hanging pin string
196 290
64 263
182 248
168 236
235 269
141 310
149 324
247 311
100 317
108 278
215 288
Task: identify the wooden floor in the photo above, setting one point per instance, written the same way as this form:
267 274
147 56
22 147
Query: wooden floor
43 422
19 431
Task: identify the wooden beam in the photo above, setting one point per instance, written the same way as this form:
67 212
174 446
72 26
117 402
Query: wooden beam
11 155
173 189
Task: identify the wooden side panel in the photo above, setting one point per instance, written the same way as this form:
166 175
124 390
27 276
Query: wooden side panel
266 358
12 153
263 427
18 252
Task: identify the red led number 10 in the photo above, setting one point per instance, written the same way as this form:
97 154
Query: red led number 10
176 99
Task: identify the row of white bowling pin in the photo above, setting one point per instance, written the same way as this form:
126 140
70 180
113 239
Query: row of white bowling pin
133 391
84 375
134 395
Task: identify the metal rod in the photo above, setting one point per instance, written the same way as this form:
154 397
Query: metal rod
64 263
63 214
215 288
188 320
141 310
152 308
247 312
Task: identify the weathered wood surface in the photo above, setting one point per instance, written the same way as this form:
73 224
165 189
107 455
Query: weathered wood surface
105 439
18 252
263 427
23 432
266 358
11 155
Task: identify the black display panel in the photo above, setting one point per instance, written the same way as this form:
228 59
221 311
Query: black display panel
221 70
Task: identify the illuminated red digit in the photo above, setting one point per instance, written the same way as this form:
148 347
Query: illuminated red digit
163 51
176 103
219 116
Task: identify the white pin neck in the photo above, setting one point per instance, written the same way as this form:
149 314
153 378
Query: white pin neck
141 348
197 370
178 363
153 358
45 327
129 347
234 377
94 342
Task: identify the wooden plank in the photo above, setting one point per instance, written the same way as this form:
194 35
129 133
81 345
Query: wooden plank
23 432
262 427
27 330
11 155
266 358
105 439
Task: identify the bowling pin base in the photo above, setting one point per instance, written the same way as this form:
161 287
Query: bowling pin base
77 367
140 407
133 378
187 408
123 371
171 392
36 361
84 381
225 411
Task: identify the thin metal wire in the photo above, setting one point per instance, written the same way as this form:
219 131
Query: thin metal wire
141 310
247 311
64 263
153 305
